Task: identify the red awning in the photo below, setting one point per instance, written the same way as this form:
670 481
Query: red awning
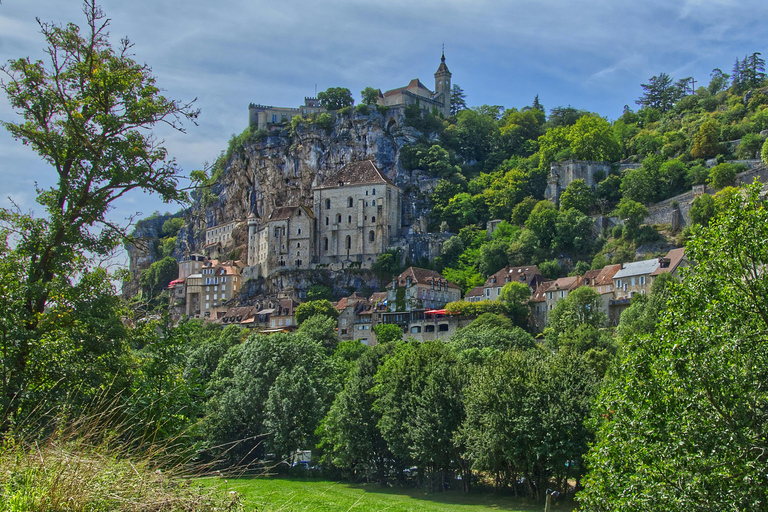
434 312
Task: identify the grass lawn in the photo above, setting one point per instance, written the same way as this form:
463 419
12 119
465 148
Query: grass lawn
288 495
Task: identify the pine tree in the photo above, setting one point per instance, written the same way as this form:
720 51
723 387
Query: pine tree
458 100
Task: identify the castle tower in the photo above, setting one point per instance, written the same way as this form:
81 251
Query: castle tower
443 86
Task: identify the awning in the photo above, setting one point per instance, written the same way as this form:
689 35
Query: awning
266 312
434 312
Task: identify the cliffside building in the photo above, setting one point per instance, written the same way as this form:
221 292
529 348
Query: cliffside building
264 115
416 92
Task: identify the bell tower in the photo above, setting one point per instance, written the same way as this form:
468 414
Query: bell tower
443 86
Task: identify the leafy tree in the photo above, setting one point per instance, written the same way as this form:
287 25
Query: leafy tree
705 142
280 383
632 213
522 210
565 116
722 175
88 112
419 398
551 143
315 307
321 329
542 222
370 96
702 209
710 351
750 146
582 306
387 333
458 100
492 257
764 152
158 275
719 81
351 438
516 296
335 98
577 195
83 115
591 138
319 292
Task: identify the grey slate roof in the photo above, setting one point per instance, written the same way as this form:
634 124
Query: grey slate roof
637 268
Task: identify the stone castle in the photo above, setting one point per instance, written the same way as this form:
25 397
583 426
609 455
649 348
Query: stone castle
262 116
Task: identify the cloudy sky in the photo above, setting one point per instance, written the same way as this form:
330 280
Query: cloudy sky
592 54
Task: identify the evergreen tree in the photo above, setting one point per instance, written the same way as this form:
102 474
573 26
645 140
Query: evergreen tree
458 100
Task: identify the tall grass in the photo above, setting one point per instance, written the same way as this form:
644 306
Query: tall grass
97 462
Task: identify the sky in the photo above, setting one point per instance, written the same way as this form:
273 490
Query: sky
591 54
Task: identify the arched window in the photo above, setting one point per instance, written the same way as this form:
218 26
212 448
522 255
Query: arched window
338 219
373 218
349 242
326 221
373 193
371 236
349 202
327 204
349 219
373 203
325 243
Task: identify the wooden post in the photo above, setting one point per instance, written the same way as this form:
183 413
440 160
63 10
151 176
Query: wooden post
548 503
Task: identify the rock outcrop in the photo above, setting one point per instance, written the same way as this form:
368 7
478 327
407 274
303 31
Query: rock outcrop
280 168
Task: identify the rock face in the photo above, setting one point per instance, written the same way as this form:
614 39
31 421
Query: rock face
144 251
281 168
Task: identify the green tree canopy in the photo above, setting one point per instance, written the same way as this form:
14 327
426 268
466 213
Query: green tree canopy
335 98
315 307
688 400
370 96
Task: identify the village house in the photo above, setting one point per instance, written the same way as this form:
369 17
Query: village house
528 275
207 292
601 280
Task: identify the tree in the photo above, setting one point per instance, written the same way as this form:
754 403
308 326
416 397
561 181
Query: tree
591 138
387 333
705 142
577 195
719 81
315 307
158 275
370 96
660 93
683 423
351 438
319 292
516 296
721 176
632 213
764 152
702 209
89 114
335 98
458 100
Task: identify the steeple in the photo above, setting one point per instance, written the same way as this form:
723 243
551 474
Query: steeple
443 85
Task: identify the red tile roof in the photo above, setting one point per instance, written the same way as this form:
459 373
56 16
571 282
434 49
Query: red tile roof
670 262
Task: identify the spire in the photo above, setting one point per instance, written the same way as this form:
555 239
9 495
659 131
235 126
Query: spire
442 59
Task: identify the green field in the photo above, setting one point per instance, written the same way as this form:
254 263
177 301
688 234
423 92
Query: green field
288 495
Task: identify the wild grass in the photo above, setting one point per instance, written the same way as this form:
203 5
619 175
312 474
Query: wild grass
91 463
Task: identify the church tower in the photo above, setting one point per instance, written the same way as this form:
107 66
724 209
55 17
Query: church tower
443 86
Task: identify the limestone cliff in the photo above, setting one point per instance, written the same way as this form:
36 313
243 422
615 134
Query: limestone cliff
280 167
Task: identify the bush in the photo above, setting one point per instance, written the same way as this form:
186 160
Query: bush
722 175
362 109
463 308
324 121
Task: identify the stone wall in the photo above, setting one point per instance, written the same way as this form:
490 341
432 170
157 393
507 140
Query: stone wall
564 173
665 212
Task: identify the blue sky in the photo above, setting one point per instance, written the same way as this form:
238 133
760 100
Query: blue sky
592 54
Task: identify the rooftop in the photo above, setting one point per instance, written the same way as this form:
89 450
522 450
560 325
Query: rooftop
355 173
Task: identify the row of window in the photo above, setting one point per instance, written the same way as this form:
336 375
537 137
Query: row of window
351 201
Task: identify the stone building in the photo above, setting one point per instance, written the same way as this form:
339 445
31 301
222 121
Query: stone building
208 291
416 92
264 115
357 211
420 289
528 275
